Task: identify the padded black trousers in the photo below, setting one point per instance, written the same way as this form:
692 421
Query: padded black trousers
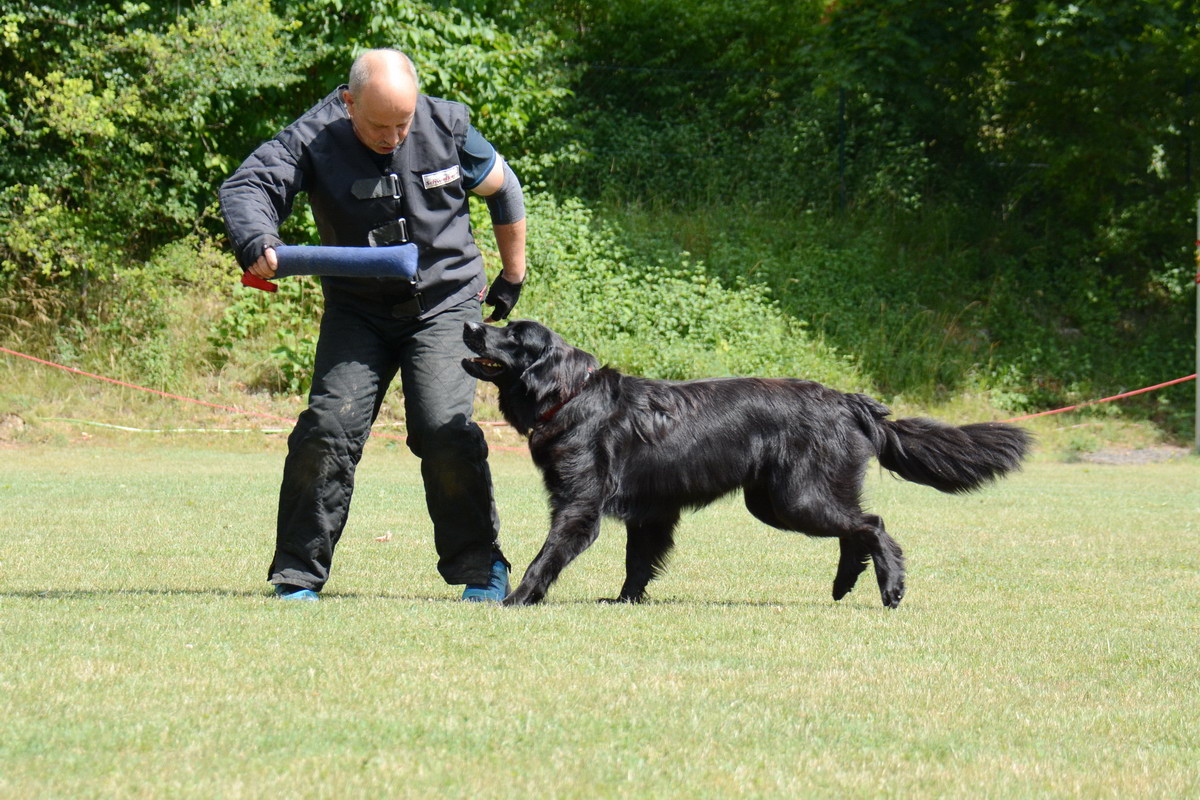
360 349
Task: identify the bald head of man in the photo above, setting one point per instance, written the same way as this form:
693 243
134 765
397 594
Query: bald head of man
382 98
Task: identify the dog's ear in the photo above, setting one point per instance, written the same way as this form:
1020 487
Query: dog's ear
577 365
559 371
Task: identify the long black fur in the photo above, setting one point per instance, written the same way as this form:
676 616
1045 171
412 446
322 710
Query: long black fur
644 450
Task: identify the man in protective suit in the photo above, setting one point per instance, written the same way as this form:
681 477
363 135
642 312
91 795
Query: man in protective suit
383 164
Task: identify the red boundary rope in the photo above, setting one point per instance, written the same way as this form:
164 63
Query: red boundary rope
144 388
1103 400
398 438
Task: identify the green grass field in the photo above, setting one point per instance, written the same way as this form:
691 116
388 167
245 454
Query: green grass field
1049 645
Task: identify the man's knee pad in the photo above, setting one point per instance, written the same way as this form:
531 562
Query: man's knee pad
454 441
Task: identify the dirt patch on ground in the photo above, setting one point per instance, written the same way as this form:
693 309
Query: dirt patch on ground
1142 455
11 427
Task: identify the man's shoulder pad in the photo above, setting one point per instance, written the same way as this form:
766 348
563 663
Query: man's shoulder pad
446 110
309 124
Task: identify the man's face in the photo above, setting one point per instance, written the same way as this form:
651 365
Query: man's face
382 114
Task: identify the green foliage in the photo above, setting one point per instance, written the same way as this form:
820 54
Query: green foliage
850 283
994 194
1019 203
926 315
1103 95
658 312
667 317
490 56
143 322
284 324
115 132
40 238
682 100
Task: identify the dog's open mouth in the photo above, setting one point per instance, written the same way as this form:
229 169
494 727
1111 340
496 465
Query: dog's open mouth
489 367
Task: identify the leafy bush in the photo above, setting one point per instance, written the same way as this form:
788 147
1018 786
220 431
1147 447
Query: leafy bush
492 56
664 315
926 313
143 323
985 241
284 324
666 318
114 131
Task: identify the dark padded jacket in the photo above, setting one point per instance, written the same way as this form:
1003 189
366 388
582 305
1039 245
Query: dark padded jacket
319 154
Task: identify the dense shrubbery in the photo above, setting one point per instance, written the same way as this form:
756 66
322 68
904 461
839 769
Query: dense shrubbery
989 195
1016 177
116 123
661 314
925 313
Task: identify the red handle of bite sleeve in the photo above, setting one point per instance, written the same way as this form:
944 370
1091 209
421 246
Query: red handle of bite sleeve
255 282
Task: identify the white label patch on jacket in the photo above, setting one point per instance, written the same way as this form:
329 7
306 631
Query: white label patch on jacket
440 178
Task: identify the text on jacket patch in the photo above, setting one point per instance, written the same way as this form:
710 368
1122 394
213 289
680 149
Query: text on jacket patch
441 177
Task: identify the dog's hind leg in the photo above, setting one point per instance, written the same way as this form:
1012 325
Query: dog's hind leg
873 539
572 530
648 544
889 562
853 561
829 509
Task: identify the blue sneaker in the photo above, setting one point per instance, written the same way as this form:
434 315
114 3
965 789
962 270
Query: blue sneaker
495 590
285 592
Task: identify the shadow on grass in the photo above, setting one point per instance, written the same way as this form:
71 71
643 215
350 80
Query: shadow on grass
88 594
83 594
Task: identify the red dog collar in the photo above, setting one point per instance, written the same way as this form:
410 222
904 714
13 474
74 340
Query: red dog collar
550 413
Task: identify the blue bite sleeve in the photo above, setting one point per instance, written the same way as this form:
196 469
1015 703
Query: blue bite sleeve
397 261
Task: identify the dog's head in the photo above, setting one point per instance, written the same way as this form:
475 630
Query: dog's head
532 366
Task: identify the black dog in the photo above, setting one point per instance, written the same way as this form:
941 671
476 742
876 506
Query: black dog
643 450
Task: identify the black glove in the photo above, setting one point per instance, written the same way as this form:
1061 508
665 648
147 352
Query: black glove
503 295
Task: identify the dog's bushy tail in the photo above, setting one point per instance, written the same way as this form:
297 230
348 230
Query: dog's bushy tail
948 458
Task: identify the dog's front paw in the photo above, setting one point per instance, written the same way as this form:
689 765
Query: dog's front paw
621 599
522 597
